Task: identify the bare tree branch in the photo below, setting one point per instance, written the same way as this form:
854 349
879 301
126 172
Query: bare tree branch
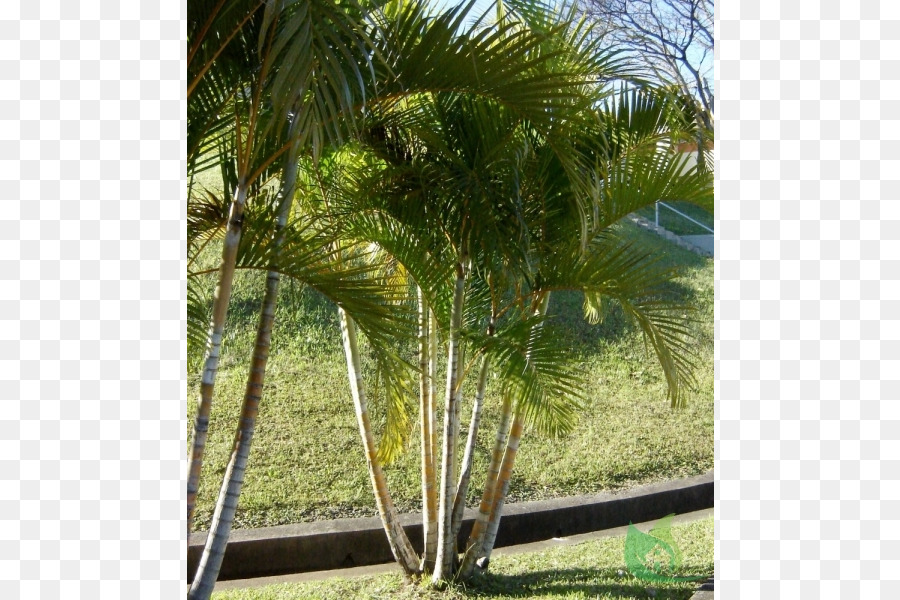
673 39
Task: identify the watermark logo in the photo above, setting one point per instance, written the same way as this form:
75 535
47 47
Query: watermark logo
654 556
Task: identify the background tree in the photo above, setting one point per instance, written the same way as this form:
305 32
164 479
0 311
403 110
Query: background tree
673 39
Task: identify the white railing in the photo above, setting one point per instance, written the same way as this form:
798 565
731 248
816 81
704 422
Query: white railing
678 212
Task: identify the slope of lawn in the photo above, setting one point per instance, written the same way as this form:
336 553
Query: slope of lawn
307 461
676 223
594 570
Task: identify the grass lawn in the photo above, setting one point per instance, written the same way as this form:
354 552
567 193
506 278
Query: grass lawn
594 569
307 461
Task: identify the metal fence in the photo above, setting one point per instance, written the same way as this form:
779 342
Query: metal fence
678 212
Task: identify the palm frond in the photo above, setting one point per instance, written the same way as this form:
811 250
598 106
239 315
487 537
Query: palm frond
422 53
393 394
221 61
637 181
322 55
538 374
198 317
615 271
310 255
207 213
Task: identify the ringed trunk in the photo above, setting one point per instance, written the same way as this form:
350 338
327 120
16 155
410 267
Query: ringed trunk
401 547
509 459
479 528
427 419
226 506
465 474
446 548
432 393
211 363
223 518
484 532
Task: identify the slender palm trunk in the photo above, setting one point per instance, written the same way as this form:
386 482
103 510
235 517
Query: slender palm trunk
432 393
502 487
226 506
465 474
484 532
542 304
446 548
479 528
214 346
427 419
403 551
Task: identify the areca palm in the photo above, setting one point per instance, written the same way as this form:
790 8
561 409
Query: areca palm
630 169
250 64
253 68
324 183
504 73
477 226
465 155
485 169
634 169
255 65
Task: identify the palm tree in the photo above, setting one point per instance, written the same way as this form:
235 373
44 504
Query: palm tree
636 170
467 128
623 154
473 172
505 74
250 65
253 67
472 149
324 181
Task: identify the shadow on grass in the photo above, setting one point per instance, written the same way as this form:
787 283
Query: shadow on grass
567 318
578 582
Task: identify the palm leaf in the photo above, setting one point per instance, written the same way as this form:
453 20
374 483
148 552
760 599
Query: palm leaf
392 396
198 317
615 271
538 375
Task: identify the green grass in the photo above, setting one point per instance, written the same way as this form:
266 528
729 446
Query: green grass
594 569
676 223
307 461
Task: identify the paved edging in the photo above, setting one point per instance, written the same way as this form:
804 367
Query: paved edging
393 567
706 591
341 543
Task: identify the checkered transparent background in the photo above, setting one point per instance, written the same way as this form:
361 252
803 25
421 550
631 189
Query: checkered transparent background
91 342
91 326
807 128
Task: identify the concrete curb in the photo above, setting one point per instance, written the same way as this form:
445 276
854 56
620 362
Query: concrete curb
393 567
706 591
343 543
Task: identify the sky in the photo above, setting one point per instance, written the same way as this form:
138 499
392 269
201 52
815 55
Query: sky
482 5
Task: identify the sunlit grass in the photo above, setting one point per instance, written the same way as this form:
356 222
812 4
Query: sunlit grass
307 461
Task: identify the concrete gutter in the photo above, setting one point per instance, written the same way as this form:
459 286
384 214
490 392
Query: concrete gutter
345 543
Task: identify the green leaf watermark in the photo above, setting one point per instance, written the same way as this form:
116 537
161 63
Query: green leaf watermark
654 556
